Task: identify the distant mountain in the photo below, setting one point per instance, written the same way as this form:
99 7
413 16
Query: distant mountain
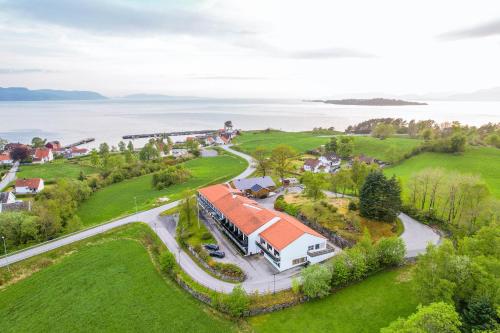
369 102
24 94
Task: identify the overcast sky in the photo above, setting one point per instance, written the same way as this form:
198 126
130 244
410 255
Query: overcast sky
251 48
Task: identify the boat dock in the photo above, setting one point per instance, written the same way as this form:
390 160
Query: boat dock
79 143
164 135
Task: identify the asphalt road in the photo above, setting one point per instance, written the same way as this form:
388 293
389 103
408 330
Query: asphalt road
10 176
416 237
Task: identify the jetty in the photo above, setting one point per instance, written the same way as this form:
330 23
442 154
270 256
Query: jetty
166 134
79 143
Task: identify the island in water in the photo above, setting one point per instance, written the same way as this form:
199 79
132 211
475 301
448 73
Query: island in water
25 94
371 102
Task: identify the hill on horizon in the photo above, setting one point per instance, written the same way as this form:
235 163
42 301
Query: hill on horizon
25 94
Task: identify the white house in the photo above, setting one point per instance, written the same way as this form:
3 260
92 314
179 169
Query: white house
5 159
42 155
331 159
29 186
316 166
179 152
283 240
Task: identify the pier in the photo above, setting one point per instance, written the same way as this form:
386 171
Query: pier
79 143
164 135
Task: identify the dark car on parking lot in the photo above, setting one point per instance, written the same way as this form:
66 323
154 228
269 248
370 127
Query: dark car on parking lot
218 254
211 247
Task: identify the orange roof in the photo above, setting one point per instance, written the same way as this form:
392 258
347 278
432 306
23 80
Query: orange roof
30 183
245 213
285 231
41 153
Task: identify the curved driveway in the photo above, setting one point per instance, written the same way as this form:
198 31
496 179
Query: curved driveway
415 236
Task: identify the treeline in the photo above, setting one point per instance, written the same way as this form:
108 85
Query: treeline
458 202
172 175
444 134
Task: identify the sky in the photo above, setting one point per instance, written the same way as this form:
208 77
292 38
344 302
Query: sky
258 48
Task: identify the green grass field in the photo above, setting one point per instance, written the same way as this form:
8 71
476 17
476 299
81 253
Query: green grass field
379 149
361 308
484 161
54 170
300 141
109 285
119 199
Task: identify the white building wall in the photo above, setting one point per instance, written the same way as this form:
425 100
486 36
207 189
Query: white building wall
254 236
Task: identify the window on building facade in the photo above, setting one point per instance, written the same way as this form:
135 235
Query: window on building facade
316 246
269 247
262 241
299 261
276 253
310 247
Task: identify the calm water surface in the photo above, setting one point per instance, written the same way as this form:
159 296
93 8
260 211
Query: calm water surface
108 120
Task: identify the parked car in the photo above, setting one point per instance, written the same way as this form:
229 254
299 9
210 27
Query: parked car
211 247
218 254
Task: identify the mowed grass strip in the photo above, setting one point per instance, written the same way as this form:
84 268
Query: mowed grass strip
380 149
362 308
108 287
300 141
484 161
54 170
119 199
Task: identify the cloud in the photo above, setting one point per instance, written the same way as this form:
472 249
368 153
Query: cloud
482 30
229 78
121 18
328 53
24 70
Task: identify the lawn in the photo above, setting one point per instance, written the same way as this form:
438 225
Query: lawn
54 170
300 141
380 149
106 285
361 308
484 161
119 199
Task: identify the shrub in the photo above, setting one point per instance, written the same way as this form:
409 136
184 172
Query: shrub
340 271
296 285
391 251
352 206
167 261
235 303
316 281
206 236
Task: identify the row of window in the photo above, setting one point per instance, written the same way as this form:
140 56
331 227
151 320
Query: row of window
299 261
269 247
313 247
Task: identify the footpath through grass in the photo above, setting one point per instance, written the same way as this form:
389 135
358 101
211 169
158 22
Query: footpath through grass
54 170
119 199
108 284
361 308
484 161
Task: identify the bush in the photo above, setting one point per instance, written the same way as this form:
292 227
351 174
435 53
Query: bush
281 205
352 206
316 281
170 176
206 236
236 303
296 285
391 251
340 271
167 261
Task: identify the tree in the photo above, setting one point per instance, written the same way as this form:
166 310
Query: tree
315 183
281 159
19 153
380 198
457 143
3 142
121 146
167 261
148 152
332 146
383 131
237 302
346 146
480 315
94 158
434 318
263 164
391 251
37 142
104 150
341 181
316 281
130 147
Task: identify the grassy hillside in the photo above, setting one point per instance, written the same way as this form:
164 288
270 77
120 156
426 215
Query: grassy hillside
119 199
110 285
300 141
362 308
484 161
380 149
54 170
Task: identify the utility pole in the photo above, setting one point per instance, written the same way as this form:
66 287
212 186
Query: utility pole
5 249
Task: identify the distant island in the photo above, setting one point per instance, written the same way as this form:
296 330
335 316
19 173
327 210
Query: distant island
371 102
25 94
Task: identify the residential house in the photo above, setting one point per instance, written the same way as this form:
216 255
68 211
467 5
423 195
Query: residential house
316 166
258 187
8 203
76 152
5 159
179 152
331 159
54 145
29 186
42 155
283 240
290 181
